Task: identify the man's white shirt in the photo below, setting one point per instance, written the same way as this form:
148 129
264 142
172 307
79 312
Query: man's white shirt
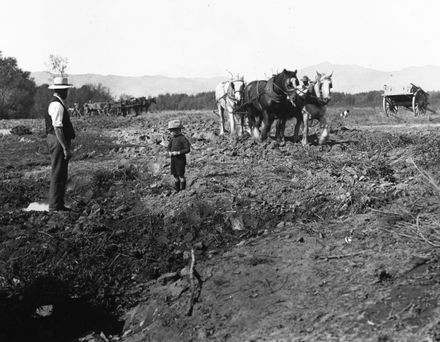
56 111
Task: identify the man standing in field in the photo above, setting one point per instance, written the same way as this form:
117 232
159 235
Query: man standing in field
59 132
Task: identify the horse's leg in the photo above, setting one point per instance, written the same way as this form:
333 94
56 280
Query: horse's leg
283 130
244 124
297 127
254 123
238 118
239 124
323 123
222 118
280 128
267 124
232 123
306 128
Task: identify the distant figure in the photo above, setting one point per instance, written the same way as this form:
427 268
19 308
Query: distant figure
75 110
305 83
59 132
178 147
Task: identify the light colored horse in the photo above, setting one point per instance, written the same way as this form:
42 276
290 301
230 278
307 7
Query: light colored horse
228 96
316 108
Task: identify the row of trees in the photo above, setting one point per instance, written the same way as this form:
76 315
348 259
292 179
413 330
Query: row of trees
17 90
21 98
204 100
207 100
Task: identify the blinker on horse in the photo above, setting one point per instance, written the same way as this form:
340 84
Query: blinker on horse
269 100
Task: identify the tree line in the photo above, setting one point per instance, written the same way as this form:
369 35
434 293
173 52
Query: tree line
207 100
20 97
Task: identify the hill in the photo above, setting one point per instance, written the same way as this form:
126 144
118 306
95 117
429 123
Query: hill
355 79
138 86
347 78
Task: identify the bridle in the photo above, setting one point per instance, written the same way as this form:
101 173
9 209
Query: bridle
313 95
291 96
230 98
327 100
233 97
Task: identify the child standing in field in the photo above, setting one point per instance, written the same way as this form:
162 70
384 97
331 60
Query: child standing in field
178 147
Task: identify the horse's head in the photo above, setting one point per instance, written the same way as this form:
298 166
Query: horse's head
323 86
235 90
289 81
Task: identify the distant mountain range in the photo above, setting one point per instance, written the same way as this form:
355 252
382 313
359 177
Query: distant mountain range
355 79
346 78
138 86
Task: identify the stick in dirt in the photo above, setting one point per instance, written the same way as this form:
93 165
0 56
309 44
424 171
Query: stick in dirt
195 292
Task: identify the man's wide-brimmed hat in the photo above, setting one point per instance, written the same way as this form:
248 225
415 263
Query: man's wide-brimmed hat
173 124
60 83
305 79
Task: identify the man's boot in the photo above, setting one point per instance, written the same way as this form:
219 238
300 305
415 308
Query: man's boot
183 185
177 186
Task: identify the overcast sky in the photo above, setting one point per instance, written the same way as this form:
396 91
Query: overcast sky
206 38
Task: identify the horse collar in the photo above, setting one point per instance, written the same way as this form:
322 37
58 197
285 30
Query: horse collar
270 90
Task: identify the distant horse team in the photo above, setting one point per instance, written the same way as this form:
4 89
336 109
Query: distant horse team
279 99
134 106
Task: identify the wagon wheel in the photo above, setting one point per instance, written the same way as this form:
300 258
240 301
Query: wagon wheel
389 106
419 103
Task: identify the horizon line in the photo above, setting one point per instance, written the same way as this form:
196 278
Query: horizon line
222 76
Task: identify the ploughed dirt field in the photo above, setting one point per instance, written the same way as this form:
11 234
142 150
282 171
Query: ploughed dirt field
326 243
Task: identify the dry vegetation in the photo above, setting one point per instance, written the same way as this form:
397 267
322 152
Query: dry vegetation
330 243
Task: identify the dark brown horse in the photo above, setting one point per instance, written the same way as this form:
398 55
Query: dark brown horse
310 103
271 100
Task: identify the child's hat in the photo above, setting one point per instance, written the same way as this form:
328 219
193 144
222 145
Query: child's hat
174 124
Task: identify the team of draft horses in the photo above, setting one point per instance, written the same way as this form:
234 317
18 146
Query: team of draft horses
123 107
279 99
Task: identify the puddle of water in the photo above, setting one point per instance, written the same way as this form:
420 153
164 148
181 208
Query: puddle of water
36 206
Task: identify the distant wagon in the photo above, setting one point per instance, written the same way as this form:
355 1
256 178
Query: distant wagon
136 105
124 107
411 97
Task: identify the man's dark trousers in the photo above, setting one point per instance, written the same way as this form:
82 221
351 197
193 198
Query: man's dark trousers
58 177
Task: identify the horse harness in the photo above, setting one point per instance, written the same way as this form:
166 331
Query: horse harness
316 100
230 94
269 90
310 93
